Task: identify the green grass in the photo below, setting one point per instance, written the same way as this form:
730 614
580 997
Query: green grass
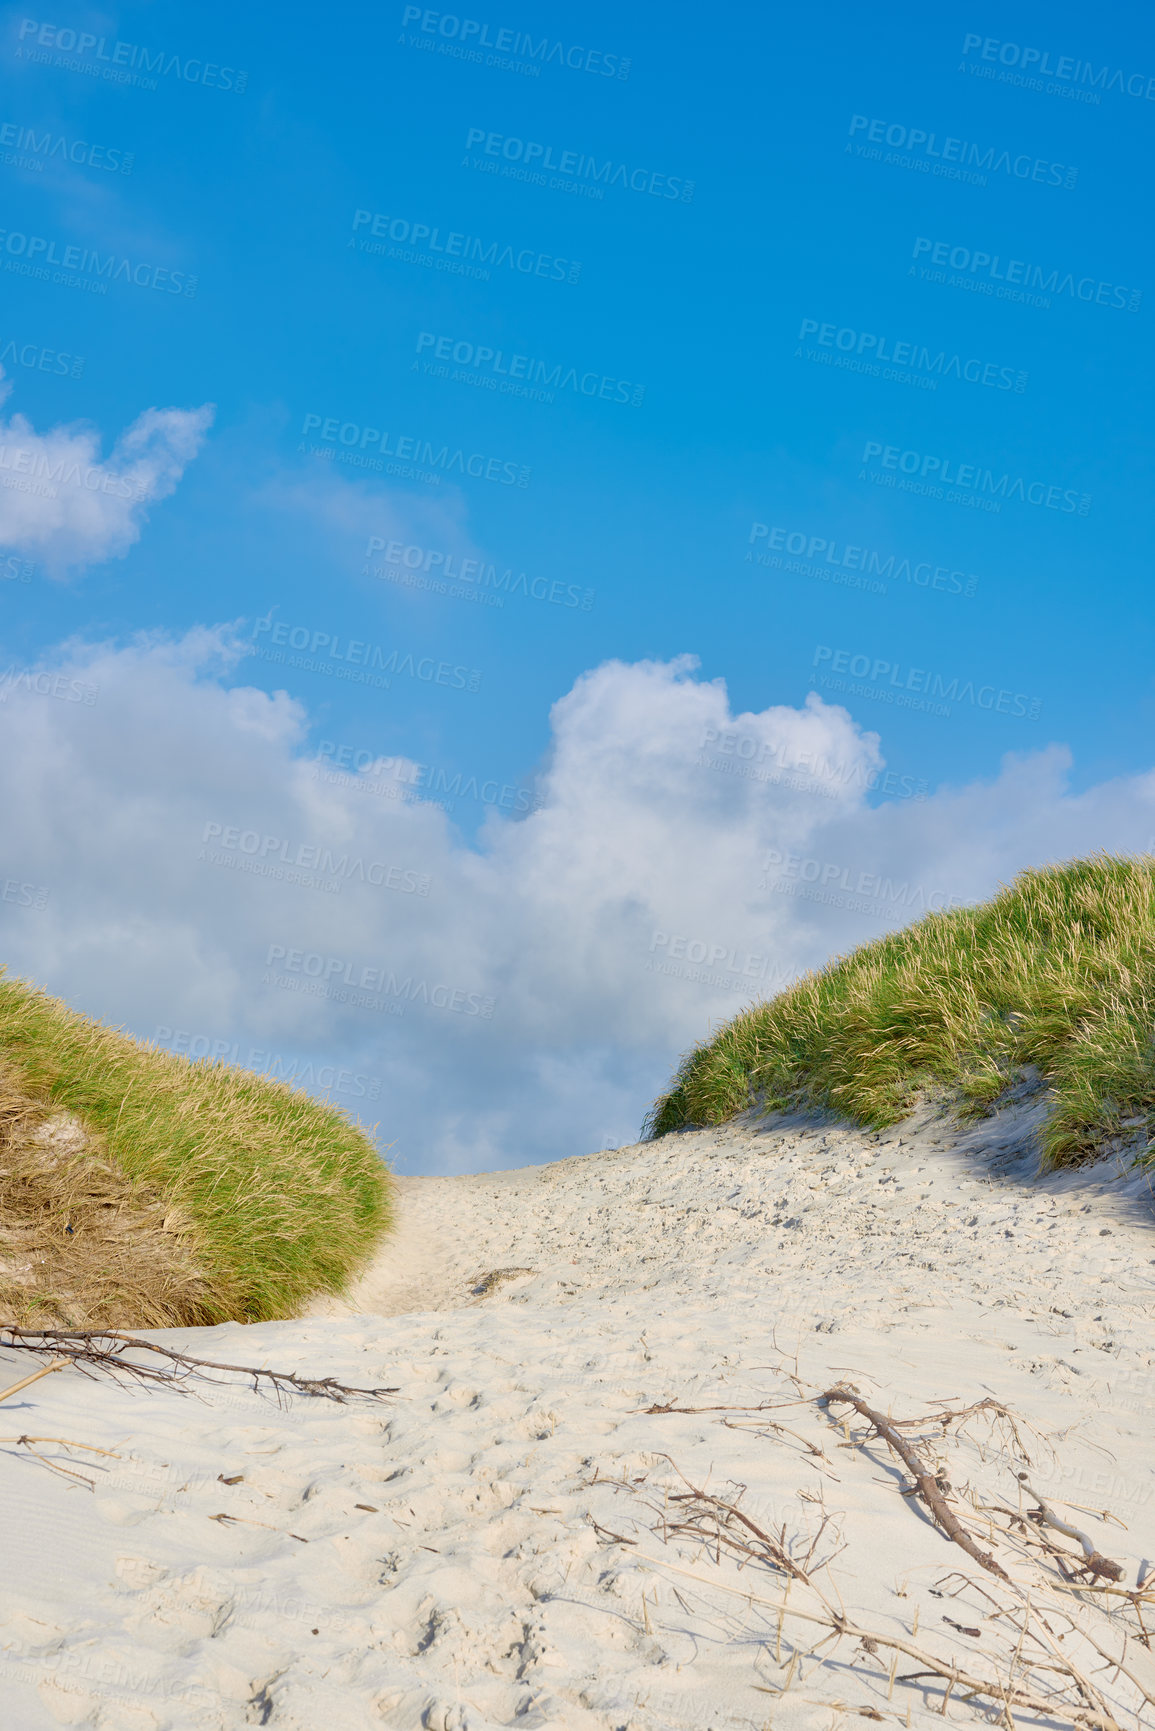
282 1196
1056 972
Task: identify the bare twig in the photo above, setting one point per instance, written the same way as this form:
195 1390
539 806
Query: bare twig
659 1408
104 1349
55 1467
66 1442
925 1482
1119 1663
246 1522
713 1519
948 1416
604 1532
45 1370
1096 1566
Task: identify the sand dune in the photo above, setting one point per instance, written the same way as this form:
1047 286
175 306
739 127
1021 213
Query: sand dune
494 1546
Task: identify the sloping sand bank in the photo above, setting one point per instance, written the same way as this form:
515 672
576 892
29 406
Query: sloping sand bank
496 1545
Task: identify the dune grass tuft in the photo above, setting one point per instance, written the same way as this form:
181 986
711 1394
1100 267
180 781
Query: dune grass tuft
275 1195
1056 974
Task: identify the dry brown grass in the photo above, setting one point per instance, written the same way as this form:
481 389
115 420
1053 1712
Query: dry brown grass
81 1245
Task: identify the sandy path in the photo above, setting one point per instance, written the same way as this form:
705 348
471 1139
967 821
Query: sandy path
460 1559
774 1195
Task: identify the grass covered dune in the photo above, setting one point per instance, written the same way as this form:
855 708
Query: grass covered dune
137 1188
1055 973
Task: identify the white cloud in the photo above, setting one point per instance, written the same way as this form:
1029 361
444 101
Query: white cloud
654 890
350 513
68 506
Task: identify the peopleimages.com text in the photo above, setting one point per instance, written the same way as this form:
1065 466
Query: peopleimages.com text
941 469
1021 166
126 57
1030 276
519 43
1066 66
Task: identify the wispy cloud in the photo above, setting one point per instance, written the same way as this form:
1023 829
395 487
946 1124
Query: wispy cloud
64 502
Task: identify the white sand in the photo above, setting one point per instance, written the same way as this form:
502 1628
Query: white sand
476 1589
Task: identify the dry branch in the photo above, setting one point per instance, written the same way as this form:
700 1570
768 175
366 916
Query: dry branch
1036 1675
926 1482
950 1415
104 1349
1096 1566
713 1519
664 1407
722 1525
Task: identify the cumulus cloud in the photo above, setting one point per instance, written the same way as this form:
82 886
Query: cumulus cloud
66 504
176 858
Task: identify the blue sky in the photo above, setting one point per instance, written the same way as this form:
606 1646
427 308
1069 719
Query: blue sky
796 277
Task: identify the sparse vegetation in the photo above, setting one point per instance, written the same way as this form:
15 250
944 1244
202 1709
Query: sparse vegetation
139 1189
1056 972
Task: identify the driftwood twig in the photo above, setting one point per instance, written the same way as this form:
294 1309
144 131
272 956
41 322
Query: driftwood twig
1097 1566
926 1482
105 1349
